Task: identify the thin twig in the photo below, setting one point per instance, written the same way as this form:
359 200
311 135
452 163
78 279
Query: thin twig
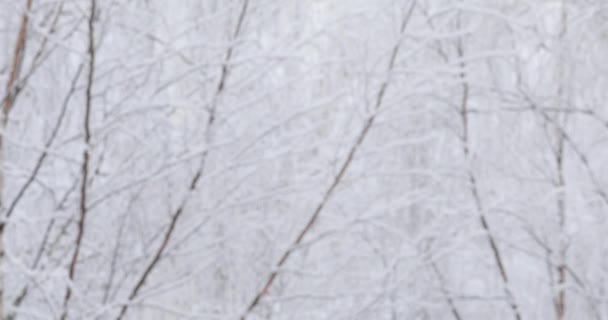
85 160
336 181
498 259
197 176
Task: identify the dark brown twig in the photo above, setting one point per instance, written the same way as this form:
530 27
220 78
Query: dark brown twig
197 176
85 160
498 259
336 181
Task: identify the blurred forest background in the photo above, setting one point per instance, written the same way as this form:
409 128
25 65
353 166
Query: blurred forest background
304 159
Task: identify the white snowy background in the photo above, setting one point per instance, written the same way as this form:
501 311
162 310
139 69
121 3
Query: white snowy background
304 159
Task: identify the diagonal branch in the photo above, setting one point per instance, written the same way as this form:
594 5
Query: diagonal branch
197 176
20 80
85 159
32 177
447 296
18 56
7 105
336 181
498 259
43 156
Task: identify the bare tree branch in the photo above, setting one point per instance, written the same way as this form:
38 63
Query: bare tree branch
336 181
199 173
85 159
498 259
